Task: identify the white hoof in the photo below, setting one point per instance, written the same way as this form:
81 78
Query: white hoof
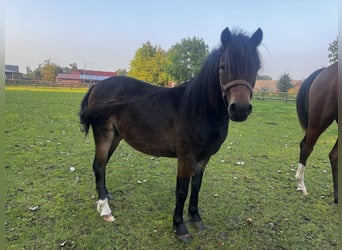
108 218
303 191
104 210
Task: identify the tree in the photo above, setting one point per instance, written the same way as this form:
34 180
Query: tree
73 66
34 74
121 72
284 83
147 64
49 70
159 74
185 59
263 77
333 51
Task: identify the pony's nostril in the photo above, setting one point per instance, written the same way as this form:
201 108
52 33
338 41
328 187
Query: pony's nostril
250 108
232 108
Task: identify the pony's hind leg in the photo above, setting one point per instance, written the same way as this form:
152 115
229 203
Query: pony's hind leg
304 154
306 147
333 156
106 142
114 145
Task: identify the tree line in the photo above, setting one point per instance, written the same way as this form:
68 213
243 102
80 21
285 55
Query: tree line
153 64
48 70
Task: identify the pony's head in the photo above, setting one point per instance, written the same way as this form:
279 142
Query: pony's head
238 67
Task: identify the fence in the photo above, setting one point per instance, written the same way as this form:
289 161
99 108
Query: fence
45 84
260 95
275 96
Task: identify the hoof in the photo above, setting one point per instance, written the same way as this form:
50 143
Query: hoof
304 192
108 218
198 225
186 238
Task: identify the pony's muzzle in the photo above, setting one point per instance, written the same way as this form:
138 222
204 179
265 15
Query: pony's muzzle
239 112
238 93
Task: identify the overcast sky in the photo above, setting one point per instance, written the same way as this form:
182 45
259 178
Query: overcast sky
104 35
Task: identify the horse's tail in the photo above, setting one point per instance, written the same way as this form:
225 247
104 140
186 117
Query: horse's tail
84 119
303 99
99 112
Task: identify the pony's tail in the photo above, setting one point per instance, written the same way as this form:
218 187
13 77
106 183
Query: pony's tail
303 99
85 123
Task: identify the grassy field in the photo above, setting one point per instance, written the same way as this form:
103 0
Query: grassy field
50 198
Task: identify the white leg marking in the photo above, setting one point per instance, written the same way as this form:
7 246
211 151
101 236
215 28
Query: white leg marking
104 209
300 179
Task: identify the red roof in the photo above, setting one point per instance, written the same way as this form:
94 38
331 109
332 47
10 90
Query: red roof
68 76
94 72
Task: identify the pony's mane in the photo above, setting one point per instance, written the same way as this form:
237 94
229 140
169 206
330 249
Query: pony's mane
203 95
202 91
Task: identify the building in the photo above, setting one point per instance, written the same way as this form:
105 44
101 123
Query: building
12 72
271 86
82 75
266 86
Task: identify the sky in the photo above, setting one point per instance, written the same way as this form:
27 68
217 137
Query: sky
104 35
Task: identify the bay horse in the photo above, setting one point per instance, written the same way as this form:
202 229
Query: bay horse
317 109
189 121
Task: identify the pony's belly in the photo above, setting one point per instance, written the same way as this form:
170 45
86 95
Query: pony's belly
156 150
151 143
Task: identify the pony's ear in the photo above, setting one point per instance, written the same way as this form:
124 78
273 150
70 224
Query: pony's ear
225 36
257 37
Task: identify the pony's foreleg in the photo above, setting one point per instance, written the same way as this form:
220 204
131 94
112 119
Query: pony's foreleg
182 188
195 218
333 156
196 182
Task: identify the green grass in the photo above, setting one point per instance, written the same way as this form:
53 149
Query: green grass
249 206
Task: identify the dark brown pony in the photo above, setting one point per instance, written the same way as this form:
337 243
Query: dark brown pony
317 109
189 121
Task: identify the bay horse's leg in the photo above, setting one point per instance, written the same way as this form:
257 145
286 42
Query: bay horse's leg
333 156
306 148
196 182
114 145
105 144
186 169
303 156
182 188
